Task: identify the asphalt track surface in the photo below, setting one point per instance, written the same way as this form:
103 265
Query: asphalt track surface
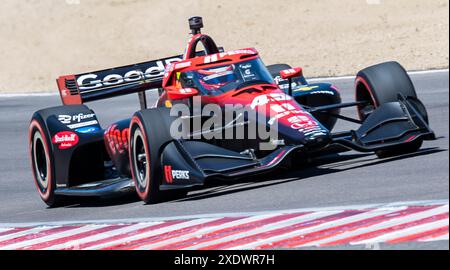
348 179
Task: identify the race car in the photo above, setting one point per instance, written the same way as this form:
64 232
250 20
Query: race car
162 152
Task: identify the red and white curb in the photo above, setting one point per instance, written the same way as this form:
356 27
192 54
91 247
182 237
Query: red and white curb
320 227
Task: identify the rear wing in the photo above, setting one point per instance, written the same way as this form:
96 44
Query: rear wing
78 89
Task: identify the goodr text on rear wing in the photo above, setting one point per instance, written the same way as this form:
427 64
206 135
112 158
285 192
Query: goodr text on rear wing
78 89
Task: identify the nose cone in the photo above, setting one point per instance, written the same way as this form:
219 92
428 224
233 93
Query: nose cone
313 138
317 141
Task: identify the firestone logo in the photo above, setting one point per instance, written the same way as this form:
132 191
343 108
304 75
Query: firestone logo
65 139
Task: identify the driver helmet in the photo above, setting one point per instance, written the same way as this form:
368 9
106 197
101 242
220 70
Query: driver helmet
212 79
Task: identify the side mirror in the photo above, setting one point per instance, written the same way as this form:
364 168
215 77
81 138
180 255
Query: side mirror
176 94
291 73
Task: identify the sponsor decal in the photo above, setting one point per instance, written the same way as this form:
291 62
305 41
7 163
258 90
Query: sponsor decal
279 80
211 59
246 71
186 90
67 119
65 92
306 125
291 72
180 174
331 93
175 174
65 139
117 139
306 88
85 130
298 119
168 104
84 124
154 71
248 74
246 66
215 57
284 83
234 52
74 121
280 110
265 99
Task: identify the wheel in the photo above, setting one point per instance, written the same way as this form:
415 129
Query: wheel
380 84
149 132
42 163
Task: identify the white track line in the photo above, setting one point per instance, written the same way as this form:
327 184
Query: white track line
404 232
379 226
351 77
206 230
431 71
379 206
144 225
277 224
266 228
23 233
68 236
151 233
39 94
325 225
101 236
52 237
316 79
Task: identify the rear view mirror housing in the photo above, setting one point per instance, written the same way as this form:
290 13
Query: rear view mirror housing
291 73
182 93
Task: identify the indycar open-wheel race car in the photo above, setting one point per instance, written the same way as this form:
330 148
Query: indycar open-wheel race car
72 155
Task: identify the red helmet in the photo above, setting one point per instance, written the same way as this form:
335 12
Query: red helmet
214 78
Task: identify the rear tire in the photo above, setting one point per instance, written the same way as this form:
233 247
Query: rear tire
42 163
380 84
149 133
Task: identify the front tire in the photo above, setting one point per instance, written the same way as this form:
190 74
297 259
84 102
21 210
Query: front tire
42 163
149 133
380 84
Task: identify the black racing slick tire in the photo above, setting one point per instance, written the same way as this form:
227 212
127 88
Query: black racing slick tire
42 162
380 84
149 133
